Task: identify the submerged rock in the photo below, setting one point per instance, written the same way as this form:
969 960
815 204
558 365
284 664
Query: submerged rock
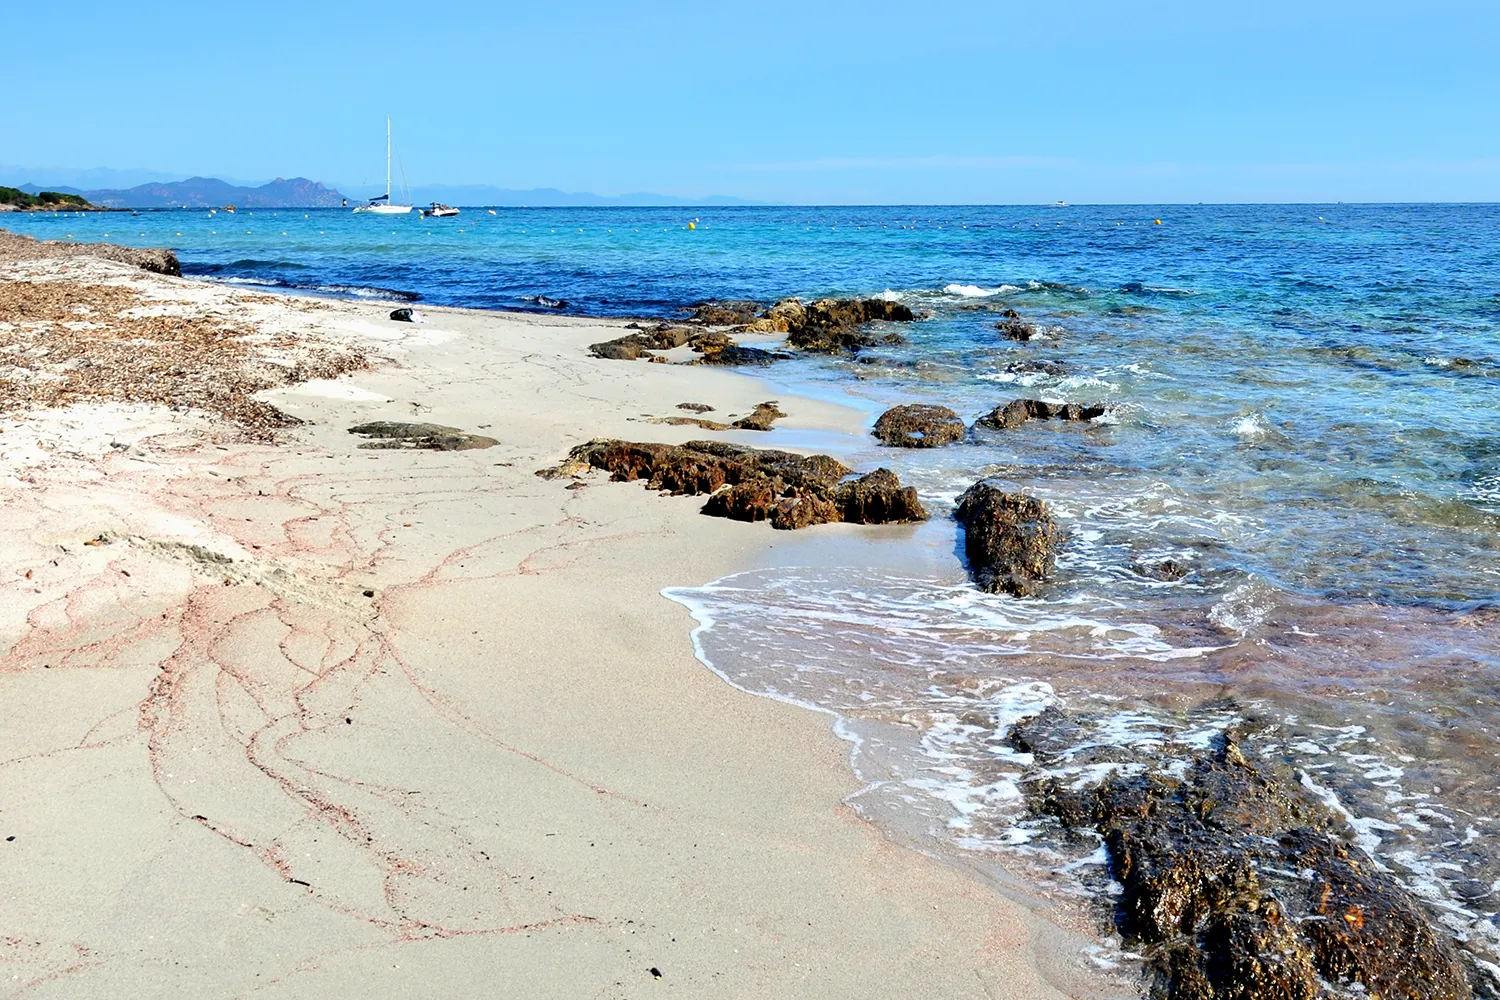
428 437
919 425
761 419
1234 883
1165 570
1039 366
751 484
1018 411
1010 539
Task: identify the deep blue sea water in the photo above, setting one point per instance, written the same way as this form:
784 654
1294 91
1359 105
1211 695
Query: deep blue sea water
1305 404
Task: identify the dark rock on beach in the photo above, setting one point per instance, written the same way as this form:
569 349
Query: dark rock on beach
641 344
734 354
428 437
1010 539
696 407
1018 411
731 313
918 425
761 419
749 484
1236 883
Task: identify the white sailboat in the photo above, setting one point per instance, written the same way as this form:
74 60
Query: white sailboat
381 204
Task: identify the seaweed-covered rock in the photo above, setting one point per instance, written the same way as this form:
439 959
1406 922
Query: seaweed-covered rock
388 434
751 484
1010 539
919 425
1018 411
1234 883
761 418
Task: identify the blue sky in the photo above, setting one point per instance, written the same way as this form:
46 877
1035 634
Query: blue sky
923 102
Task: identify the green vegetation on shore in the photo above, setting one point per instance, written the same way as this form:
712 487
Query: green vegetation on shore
42 199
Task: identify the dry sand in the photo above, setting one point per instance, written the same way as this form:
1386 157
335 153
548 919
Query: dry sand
306 720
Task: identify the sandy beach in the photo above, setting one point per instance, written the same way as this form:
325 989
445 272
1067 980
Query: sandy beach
286 717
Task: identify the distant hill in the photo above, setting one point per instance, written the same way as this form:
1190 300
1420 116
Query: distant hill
16 200
209 192
488 194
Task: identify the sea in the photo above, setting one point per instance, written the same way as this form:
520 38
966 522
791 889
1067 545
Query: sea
1303 408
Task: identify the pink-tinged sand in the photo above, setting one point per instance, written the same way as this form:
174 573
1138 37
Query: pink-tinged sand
230 773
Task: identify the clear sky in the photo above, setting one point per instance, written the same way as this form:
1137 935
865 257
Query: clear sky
924 101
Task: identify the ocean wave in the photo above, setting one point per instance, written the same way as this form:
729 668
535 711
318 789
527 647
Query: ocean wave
976 292
364 292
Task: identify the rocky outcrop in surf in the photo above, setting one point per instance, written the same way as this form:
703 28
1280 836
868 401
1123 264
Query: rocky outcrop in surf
749 484
1013 327
1235 881
919 425
1015 413
726 313
838 326
1010 539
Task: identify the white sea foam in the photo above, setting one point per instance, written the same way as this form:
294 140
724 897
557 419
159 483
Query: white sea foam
978 292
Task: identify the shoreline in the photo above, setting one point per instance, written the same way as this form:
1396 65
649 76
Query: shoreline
204 622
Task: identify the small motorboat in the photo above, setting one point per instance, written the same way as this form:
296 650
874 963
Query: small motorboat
438 211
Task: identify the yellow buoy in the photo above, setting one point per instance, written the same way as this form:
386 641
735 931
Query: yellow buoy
1158 222
692 225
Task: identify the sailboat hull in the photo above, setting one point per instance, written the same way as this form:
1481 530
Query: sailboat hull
385 209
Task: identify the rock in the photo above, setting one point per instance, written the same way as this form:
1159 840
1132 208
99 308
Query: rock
1018 411
878 498
731 313
1037 367
761 418
1165 570
714 340
737 355
1010 539
1013 327
402 315
696 407
918 425
1234 884
779 318
428 437
834 326
751 484
708 425
641 344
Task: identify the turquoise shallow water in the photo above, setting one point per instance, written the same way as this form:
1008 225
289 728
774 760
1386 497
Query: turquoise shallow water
1305 403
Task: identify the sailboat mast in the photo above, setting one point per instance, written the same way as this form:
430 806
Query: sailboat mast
387 159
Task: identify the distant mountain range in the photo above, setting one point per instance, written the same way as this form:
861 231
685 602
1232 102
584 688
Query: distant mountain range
299 192
209 192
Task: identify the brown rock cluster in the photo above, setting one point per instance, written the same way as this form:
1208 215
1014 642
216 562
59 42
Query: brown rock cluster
749 484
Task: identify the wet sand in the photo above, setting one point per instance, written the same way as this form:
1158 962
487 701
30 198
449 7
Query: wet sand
302 719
